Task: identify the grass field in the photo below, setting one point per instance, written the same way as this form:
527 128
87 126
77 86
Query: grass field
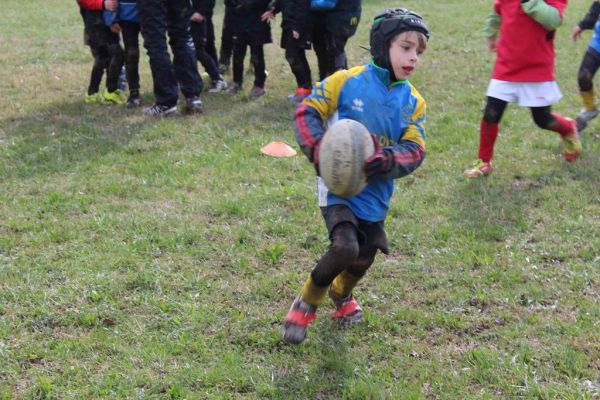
149 259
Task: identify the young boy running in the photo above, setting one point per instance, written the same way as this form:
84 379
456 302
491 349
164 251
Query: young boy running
521 32
380 97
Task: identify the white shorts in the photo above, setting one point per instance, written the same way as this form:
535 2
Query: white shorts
525 94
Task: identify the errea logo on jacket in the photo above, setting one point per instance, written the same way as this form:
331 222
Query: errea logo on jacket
357 105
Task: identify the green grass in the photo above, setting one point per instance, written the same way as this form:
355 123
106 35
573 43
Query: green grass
156 259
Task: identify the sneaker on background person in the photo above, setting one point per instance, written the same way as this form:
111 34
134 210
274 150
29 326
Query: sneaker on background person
134 99
299 95
158 110
116 97
193 105
257 92
235 88
218 86
94 98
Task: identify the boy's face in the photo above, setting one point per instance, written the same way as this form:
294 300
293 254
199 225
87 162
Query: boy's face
404 54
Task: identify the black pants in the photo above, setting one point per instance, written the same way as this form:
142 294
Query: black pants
226 39
329 48
354 244
257 57
494 109
130 31
199 34
587 70
110 58
157 18
296 57
211 47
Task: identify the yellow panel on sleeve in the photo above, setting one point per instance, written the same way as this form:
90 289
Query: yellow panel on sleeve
416 129
325 94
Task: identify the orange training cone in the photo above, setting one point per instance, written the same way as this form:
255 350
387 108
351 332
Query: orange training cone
278 149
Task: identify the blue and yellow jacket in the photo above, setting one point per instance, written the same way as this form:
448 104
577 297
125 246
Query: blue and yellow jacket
393 112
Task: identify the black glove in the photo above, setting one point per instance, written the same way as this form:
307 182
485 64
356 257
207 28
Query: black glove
379 163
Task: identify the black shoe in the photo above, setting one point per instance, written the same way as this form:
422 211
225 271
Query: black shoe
235 88
134 100
223 67
157 110
193 105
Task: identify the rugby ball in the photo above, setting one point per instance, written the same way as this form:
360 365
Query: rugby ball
342 154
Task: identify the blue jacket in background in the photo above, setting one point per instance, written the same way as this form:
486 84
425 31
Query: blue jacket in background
127 11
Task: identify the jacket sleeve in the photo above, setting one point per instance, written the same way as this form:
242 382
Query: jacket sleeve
254 4
548 14
110 17
591 17
314 112
491 26
409 151
299 15
203 7
91 4
275 5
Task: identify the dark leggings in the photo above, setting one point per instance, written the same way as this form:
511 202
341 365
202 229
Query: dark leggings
343 254
587 70
131 31
296 57
110 58
329 48
226 39
257 57
494 109
198 30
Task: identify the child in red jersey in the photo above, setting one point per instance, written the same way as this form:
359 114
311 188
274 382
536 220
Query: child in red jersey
522 34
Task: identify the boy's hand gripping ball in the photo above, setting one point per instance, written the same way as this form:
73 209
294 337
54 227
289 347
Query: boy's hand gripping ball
342 154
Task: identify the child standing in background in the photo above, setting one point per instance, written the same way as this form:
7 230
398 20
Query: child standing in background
249 30
521 32
589 65
295 39
199 29
106 50
126 20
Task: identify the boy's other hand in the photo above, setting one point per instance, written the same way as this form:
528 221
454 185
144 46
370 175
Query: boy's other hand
295 34
111 5
115 28
197 17
379 163
576 32
267 16
493 43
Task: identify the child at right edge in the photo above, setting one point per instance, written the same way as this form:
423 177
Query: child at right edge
589 65
379 96
521 32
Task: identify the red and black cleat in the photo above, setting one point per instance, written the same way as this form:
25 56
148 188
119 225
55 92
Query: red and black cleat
347 310
296 321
